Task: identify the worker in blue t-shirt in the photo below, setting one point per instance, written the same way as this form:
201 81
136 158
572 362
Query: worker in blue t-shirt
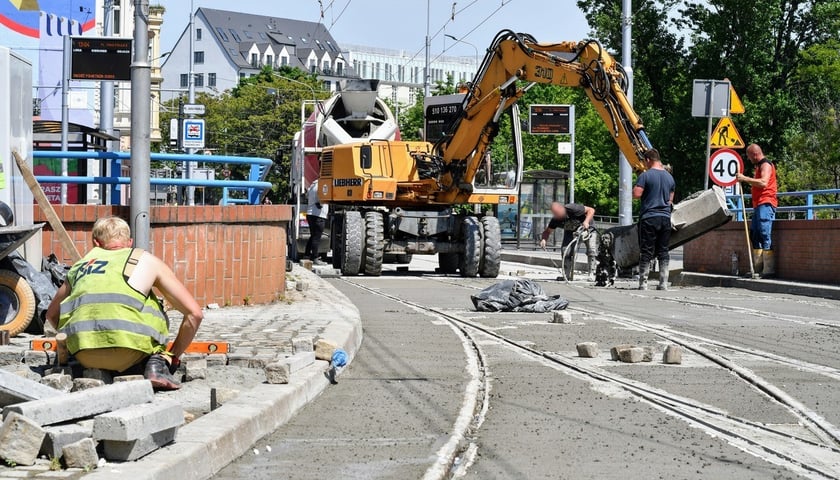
655 187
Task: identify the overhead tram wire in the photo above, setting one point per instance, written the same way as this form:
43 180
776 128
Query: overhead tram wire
462 37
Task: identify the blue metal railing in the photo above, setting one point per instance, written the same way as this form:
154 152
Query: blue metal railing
254 187
809 208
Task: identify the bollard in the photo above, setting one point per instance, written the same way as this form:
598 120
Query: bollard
4 337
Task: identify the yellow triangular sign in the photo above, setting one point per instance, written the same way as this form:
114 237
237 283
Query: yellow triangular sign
726 136
735 105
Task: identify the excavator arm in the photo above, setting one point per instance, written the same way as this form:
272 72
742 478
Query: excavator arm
513 64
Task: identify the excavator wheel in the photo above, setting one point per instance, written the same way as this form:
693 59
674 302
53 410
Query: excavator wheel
471 258
448 262
374 243
352 248
491 243
17 303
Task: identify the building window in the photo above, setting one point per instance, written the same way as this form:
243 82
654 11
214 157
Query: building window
234 35
117 17
241 76
312 66
284 60
185 78
326 66
364 69
339 69
255 60
211 79
199 79
377 72
198 34
327 85
222 34
269 60
198 58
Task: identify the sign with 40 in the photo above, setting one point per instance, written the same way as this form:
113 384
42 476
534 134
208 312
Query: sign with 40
724 167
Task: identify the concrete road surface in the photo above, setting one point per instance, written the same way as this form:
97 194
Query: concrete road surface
441 390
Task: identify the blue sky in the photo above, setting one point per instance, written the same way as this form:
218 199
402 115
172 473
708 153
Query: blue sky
401 24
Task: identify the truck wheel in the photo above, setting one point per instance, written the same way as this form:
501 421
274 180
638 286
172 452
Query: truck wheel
470 259
448 262
352 243
491 254
374 243
17 303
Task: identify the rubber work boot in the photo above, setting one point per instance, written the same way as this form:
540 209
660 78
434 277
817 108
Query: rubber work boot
644 271
758 261
157 372
663 275
769 268
593 267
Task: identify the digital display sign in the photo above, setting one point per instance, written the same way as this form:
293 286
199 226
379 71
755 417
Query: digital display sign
100 59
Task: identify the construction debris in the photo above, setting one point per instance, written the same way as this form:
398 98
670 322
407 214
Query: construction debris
20 439
16 389
87 403
672 355
81 454
587 349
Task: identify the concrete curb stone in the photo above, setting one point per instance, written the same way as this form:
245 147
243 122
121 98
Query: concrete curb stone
208 444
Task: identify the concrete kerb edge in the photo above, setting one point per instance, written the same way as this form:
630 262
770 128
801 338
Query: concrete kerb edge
765 286
205 446
538 259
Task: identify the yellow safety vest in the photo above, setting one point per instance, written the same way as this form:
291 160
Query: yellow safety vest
104 311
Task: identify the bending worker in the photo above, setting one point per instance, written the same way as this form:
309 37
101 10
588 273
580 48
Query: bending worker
571 218
111 315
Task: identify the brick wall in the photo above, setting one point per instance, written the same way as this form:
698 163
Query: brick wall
225 255
806 250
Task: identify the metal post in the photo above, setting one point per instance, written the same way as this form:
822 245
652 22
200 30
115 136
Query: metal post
625 173
426 72
65 112
141 91
106 105
709 134
572 156
187 170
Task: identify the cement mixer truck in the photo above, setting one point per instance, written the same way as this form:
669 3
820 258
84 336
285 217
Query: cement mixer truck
354 113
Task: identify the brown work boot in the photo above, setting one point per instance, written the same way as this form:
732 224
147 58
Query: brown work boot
157 372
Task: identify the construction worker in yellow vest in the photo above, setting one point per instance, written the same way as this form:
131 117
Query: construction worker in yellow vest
111 315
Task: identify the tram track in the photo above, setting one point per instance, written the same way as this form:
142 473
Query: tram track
816 459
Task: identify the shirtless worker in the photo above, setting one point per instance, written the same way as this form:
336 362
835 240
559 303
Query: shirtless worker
111 315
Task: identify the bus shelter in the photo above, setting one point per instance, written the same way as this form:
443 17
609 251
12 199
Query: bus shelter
523 222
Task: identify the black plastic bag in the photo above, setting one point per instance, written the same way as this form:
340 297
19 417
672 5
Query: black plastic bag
520 295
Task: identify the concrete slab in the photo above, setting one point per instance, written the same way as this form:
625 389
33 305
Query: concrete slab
138 421
132 450
299 361
58 436
16 389
72 406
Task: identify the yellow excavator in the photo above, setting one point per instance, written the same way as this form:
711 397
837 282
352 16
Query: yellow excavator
397 197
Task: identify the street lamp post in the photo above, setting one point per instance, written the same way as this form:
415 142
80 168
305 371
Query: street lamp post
458 40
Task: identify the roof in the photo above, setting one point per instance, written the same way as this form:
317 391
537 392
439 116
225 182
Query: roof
237 32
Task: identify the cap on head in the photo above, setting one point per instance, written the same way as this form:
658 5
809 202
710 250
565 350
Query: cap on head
111 231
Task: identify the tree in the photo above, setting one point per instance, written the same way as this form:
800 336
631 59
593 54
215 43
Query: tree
259 118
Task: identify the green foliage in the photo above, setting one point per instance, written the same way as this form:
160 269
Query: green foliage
258 118
781 56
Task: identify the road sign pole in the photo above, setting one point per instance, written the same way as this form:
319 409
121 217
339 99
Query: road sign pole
572 155
746 229
709 134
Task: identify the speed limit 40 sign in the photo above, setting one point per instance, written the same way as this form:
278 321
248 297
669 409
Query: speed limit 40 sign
724 167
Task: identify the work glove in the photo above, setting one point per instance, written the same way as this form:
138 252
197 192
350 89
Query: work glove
542 243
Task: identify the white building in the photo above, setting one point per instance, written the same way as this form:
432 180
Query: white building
229 46
401 74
